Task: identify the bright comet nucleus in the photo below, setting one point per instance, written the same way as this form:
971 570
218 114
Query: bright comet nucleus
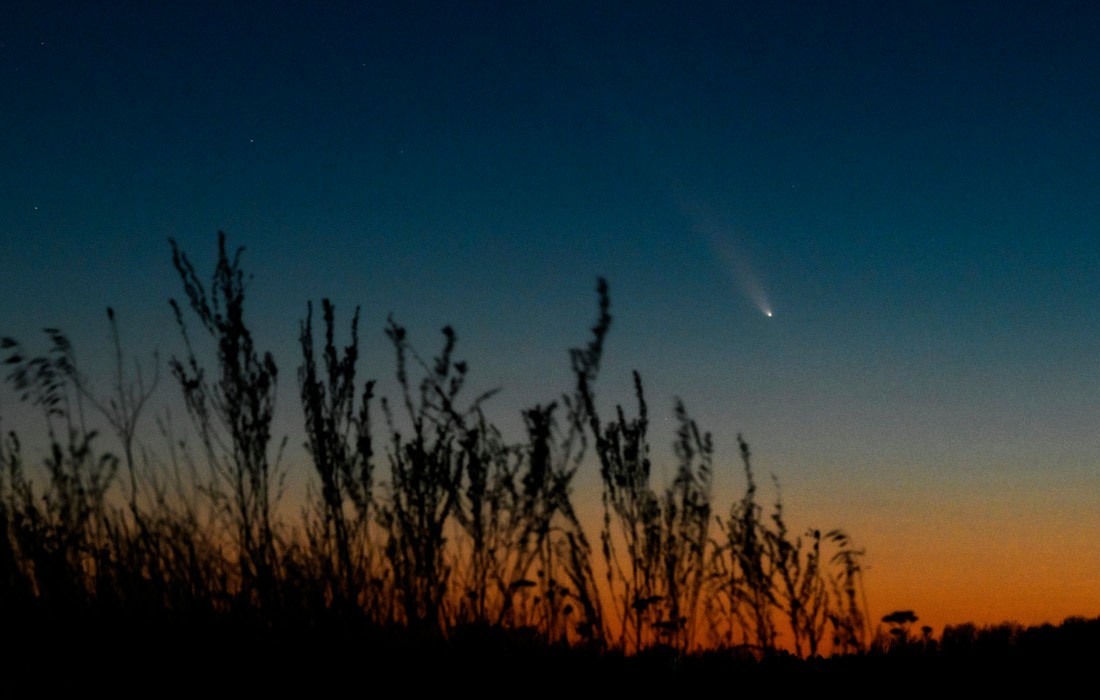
768 314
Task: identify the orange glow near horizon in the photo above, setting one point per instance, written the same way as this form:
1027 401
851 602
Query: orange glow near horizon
980 561
1025 555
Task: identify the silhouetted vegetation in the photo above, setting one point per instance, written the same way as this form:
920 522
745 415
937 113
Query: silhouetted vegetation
435 534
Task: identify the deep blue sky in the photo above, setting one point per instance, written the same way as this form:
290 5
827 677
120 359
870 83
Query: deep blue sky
910 187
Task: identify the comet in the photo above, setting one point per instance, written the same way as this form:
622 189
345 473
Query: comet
734 260
721 234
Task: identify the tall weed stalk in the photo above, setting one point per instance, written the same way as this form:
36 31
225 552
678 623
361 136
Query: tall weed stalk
232 412
339 441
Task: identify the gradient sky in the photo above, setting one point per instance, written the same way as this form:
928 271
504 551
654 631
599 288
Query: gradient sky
910 188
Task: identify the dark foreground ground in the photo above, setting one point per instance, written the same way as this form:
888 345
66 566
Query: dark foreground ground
132 659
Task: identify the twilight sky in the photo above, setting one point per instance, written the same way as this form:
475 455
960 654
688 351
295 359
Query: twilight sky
912 191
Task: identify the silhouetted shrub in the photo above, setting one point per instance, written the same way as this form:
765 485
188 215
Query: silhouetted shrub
441 529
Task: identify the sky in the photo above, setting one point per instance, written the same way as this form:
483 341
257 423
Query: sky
862 234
